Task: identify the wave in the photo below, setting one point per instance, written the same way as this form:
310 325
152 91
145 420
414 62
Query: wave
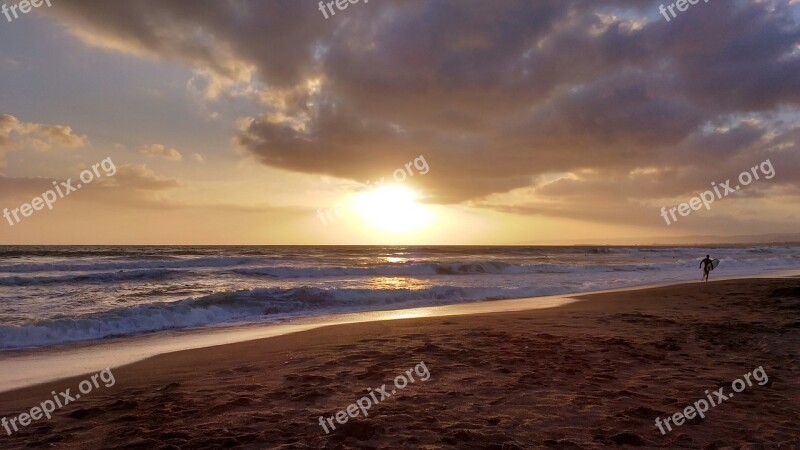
158 274
381 270
211 262
759 250
26 275
242 306
427 269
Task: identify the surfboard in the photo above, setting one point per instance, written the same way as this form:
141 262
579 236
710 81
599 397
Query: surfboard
714 264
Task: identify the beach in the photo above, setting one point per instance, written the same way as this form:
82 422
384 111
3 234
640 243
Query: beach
399 225
589 374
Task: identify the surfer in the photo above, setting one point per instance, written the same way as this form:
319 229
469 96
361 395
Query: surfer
707 265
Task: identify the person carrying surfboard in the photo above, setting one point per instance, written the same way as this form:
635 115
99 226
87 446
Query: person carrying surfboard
707 264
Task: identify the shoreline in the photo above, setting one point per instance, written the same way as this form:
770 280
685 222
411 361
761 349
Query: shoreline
33 366
585 375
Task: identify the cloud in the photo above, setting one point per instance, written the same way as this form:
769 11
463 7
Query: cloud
140 177
496 95
161 151
15 134
134 186
197 157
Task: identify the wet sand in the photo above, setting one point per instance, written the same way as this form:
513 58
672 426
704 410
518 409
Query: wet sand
589 374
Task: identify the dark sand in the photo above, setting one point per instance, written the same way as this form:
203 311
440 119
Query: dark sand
588 375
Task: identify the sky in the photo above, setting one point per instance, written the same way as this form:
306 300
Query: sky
398 122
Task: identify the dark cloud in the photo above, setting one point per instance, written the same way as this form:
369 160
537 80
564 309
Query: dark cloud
494 94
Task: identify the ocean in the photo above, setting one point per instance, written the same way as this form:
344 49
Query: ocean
55 295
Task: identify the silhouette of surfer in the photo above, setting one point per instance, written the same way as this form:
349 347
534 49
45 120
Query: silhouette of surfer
707 264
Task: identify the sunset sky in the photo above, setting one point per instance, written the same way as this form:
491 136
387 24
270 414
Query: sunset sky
539 122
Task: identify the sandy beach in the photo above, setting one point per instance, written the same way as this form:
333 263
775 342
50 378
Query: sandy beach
590 374
428 224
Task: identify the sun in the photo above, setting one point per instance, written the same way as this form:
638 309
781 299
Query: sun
392 209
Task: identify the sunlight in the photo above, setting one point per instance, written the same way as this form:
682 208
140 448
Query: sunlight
392 209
